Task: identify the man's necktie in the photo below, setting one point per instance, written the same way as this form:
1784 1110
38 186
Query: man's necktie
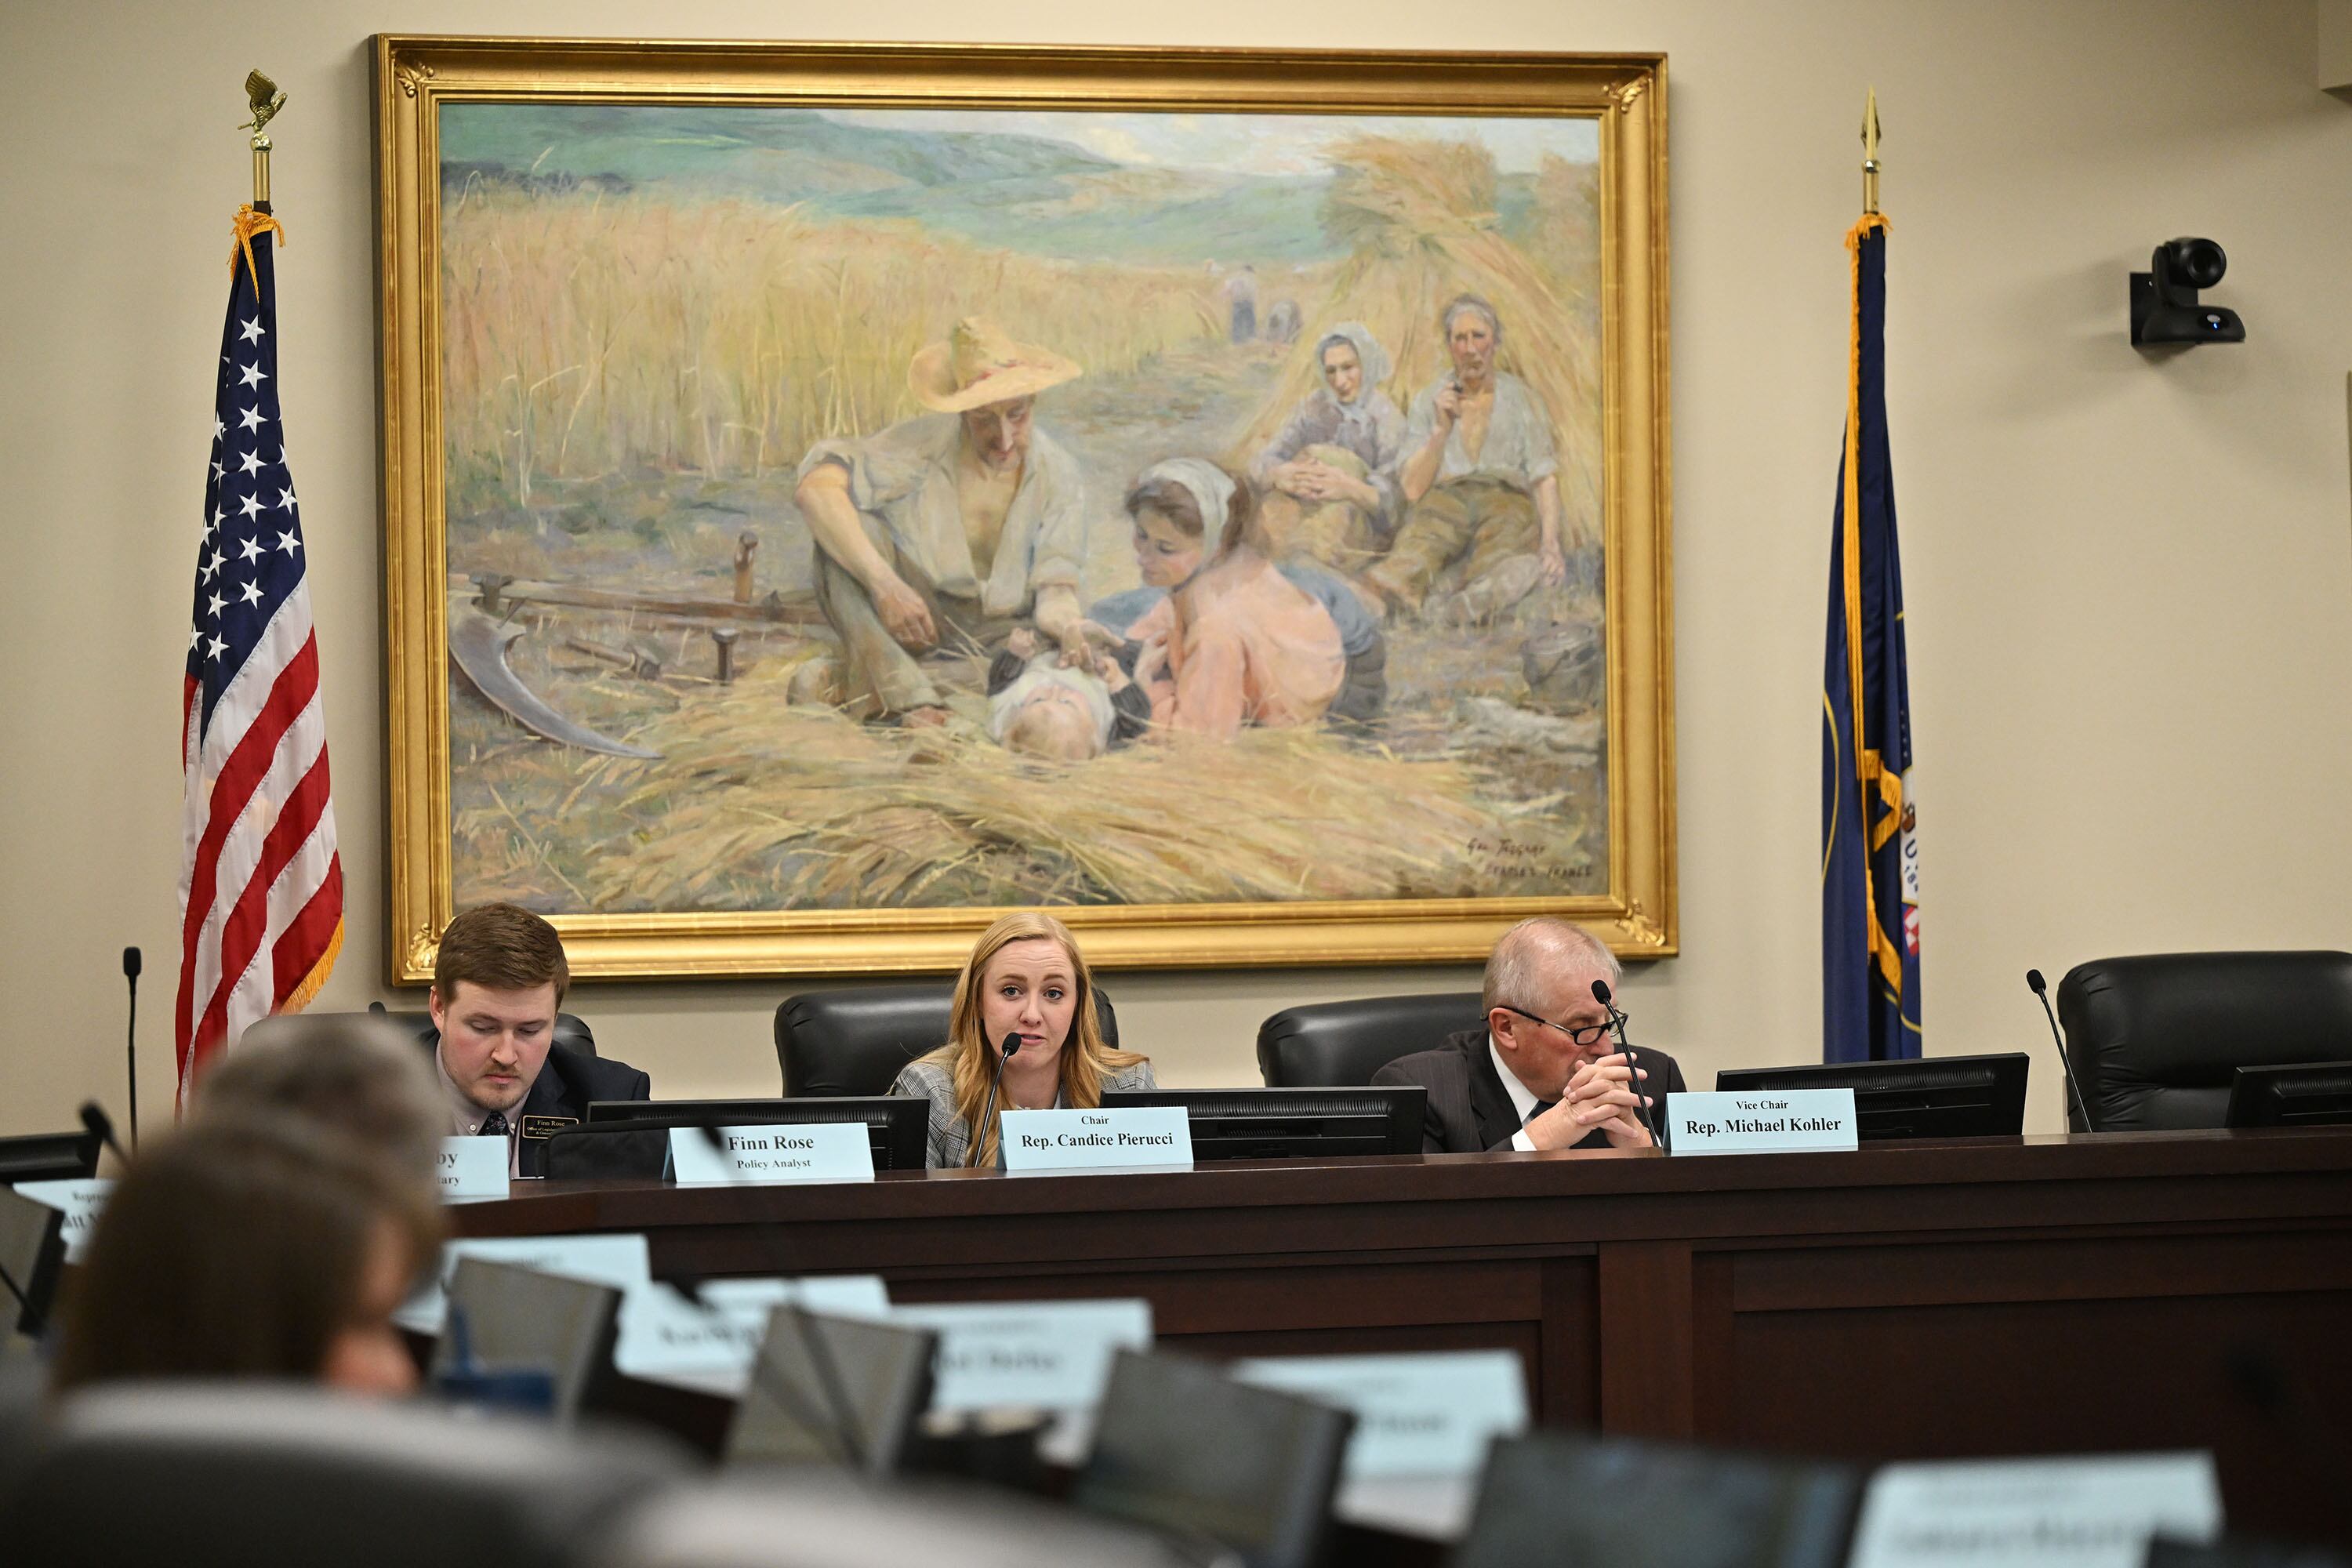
494 1125
1541 1106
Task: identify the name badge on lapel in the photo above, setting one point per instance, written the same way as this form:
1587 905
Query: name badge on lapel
547 1126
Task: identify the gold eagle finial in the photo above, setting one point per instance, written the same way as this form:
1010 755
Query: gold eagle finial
261 96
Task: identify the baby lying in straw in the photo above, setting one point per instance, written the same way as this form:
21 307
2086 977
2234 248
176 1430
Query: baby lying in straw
1040 708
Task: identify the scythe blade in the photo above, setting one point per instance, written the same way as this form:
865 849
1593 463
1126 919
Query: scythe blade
478 646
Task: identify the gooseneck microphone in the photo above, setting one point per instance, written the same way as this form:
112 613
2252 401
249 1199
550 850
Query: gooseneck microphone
2041 988
988 1108
130 965
1632 1059
100 1125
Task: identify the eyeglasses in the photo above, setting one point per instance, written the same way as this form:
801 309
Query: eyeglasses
1590 1035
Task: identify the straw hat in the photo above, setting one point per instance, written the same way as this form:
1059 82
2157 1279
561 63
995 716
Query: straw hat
977 365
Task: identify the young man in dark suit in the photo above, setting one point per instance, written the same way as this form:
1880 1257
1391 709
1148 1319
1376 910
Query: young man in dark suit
1545 1072
497 981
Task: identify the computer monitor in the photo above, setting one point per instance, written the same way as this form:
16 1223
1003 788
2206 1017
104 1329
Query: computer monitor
833 1391
897 1128
1549 1497
49 1157
1292 1123
1928 1096
504 1318
1182 1446
32 1252
2303 1094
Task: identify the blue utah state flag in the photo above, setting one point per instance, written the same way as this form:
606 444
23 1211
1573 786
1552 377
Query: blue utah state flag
1870 867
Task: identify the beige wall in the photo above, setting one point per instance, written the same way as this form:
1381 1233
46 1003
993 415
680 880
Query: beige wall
2127 578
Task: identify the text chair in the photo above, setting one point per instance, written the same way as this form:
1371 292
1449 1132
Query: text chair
1337 1044
2156 1039
856 1040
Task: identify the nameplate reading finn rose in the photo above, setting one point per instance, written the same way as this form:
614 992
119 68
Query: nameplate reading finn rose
1761 1121
1077 1140
473 1169
774 1152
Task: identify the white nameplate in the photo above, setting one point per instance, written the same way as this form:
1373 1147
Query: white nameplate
1416 1414
818 1152
473 1169
711 1344
620 1261
2035 1513
1761 1121
1049 1355
81 1199
1073 1140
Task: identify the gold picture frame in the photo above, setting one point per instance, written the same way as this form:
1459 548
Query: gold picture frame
417 79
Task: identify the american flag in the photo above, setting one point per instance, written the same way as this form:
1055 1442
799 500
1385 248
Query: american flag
261 888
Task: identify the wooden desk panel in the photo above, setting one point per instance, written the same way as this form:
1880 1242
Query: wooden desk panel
2004 1296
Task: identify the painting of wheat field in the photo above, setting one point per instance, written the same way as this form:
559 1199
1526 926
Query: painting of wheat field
856 509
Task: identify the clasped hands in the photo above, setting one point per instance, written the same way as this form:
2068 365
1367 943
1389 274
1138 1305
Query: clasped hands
1601 1095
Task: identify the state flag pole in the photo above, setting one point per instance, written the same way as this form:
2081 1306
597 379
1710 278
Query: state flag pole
1870 877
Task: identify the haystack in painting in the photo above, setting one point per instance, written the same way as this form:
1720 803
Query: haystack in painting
1422 225
802 807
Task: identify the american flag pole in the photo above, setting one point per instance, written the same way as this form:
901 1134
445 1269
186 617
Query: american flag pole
261 885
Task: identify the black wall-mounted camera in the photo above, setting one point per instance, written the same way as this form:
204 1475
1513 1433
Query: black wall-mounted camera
2164 308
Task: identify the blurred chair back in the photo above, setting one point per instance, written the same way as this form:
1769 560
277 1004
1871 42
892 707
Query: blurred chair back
569 1029
226 1475
518 1319
2156 1038
856 1040
1336 1044
1181 1447
816 1520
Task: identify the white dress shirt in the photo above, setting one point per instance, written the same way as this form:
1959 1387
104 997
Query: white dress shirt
1523 1100
465 1118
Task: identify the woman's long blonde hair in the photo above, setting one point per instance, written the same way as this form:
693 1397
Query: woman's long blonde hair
1086 1059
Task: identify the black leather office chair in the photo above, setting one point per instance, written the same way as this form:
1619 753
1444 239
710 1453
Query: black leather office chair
208 1475
1334 1044
569 1029
856 1040
2156 1039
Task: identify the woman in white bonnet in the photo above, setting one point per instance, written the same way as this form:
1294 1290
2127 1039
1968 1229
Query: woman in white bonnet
1236 642
1329 471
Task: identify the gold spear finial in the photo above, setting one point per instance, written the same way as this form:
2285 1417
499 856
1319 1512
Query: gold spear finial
262 96
1870 153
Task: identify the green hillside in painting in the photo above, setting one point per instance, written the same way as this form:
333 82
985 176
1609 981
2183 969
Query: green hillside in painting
1022 193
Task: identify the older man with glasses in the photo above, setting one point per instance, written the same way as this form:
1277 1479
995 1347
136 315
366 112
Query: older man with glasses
1545 1072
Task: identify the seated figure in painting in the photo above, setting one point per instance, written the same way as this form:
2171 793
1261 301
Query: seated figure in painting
943 530
1234 642
1480 481
1040 707
1330 469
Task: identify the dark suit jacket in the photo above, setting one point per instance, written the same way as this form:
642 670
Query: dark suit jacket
1470 1111
567 1081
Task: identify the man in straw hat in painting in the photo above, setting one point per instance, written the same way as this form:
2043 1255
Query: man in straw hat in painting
1480 479
945 530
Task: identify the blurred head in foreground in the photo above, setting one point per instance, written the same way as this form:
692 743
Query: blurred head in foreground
252 1246
347 1076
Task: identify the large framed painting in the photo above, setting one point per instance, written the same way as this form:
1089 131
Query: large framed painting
835 493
